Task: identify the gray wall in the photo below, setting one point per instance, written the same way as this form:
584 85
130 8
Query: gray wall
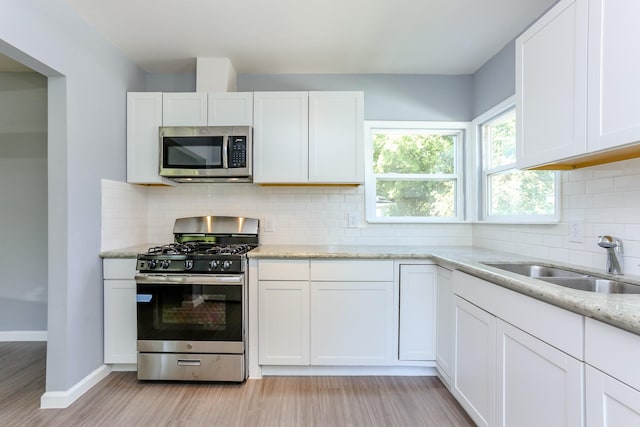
171 82
87 84
495 81
387 96
23 210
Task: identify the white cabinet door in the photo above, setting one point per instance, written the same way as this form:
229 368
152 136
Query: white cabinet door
551 85
336 144
614 89
609 402
352 323
445 324
184 109
474 383
417 335
230 109
281 137
120 317
538 385
283 313
144 118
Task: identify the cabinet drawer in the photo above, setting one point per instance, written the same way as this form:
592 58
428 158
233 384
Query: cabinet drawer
279 269
119 268
554 325
613 350
352 270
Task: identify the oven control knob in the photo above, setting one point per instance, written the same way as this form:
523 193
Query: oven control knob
213 264
165 263
152 264
188 264
226 265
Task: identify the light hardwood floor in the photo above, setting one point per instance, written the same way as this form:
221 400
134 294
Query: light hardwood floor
120 400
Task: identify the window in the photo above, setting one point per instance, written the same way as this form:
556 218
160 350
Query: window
414 171
509 194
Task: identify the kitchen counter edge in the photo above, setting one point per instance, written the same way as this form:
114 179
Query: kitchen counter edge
618 310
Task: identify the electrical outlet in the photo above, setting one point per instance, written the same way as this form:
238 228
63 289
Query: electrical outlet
576 231
352 220
269 225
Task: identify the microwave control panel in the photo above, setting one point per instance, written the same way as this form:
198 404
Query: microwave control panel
238 152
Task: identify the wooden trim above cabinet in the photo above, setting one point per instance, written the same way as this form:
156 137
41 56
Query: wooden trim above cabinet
600 158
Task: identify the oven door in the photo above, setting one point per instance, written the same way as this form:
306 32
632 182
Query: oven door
192 153
190 313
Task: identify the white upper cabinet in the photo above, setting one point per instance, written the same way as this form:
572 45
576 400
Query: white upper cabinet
207 109
184 109
230 109
280 137
551 75
308 137
614 86
336 144
577 88
144 118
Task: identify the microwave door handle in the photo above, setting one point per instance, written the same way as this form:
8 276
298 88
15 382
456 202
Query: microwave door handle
225 152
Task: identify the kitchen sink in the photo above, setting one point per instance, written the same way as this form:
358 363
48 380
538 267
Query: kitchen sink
594 284
535 270
569 279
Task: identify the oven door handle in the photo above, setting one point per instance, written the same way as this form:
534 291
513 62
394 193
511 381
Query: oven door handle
195 279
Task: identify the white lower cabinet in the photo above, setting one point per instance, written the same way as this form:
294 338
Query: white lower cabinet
283 317
610 403
352 323
513 363
120 317
445 325
538 385
326 313
613 379
475 362
417 329
283 312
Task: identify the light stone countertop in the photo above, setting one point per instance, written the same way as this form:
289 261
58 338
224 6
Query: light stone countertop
130 252
619 310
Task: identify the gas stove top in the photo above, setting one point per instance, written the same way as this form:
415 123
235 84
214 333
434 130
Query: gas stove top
203 245
200 248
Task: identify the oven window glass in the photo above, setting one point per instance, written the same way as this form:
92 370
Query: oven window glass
190 312
192 153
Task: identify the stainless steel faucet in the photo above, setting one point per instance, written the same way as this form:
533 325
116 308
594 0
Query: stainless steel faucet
615 255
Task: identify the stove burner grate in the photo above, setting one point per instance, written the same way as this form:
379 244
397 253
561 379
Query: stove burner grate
199 248
238 249
174 249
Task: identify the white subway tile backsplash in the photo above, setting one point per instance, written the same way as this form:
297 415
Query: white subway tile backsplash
584 201
600 185
606 198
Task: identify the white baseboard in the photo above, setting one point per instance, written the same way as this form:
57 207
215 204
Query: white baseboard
12 336
62 399
348 371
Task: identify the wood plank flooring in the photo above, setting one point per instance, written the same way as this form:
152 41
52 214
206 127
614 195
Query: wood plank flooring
121 400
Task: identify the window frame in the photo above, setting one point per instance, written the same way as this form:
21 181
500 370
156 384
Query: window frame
463 128
482 175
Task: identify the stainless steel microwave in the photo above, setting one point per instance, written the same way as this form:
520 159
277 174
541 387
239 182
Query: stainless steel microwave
206 153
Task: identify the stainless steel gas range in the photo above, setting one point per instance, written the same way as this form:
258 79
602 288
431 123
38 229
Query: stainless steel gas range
192 301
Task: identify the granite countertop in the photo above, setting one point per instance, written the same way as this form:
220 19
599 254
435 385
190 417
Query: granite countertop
130 252
621 310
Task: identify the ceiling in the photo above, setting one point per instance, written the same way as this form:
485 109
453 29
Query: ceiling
312 36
